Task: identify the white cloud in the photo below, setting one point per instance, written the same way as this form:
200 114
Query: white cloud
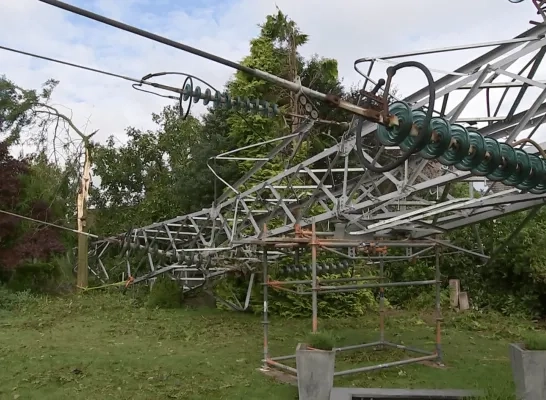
350 30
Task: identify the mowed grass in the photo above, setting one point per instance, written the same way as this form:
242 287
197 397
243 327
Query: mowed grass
103 345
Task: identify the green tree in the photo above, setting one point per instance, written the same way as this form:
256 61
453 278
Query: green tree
166 171
276 50
158 174
18 107
41 186
25 189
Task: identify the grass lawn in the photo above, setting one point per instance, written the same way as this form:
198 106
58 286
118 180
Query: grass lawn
102 346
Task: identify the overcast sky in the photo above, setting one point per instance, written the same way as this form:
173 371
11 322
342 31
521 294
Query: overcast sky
344 30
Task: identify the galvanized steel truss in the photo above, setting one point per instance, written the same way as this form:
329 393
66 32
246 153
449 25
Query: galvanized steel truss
331 188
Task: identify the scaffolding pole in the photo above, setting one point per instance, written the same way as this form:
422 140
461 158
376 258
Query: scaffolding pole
310 239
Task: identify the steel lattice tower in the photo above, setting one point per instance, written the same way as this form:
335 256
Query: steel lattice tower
332 190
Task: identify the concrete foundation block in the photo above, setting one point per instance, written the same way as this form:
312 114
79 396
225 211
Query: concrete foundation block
315 372
402 394
529 372
464 303
454 290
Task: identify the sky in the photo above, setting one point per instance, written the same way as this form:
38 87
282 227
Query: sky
349 30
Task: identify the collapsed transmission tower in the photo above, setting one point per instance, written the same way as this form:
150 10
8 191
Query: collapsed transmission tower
375 182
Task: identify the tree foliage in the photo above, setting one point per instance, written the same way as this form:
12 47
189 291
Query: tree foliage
18 110
19 241
158 173
32 186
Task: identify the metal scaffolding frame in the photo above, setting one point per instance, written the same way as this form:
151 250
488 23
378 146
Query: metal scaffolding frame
376 251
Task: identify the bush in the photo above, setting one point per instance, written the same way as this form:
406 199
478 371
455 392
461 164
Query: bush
536 341
165 293
34 277
233 288
426 299
330 305
293 305
321 340
11 300
41 277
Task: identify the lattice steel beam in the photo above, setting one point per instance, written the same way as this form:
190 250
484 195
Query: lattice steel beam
331 186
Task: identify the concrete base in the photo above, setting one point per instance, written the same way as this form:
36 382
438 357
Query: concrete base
400 394
529 372
315 373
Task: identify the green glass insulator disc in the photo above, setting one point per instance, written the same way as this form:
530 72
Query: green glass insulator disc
535 176
475 154
458 148
523 170
418 119
265 108
228 105
216 102
396 134
196 95
507 167
492 158
246 104
207 97
541 187
440 139
186 92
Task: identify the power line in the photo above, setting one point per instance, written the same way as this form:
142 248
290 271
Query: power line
156 38
49 224
98 71
137 82
292 86
142 81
